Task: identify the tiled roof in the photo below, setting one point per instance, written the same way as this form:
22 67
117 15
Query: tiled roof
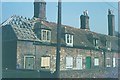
22 28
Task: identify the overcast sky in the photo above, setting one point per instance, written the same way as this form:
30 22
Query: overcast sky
71 12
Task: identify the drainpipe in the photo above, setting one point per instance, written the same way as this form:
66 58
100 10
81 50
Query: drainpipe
57 73
119 19
104 54
119 35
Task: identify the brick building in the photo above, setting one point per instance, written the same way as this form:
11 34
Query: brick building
30 44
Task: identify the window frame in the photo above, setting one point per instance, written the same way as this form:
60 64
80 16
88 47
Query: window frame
96 42
114 62
25 60
108 63
70 66
47 37
96 63
69 39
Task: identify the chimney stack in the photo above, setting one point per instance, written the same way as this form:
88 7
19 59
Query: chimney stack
84 19
111 23
40 9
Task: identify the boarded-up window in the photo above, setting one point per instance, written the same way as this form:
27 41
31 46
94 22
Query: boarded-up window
96 61
45 62
69 62
29 62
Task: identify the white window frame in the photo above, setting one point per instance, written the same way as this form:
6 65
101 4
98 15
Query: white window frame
69 65
114 62
48 62
25 59
69 40
108 64
46 36
96 61
81 62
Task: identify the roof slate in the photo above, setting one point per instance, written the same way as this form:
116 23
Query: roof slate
23 28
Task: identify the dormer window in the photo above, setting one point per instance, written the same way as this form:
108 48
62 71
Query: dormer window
95 42
45 35
108 45
69 39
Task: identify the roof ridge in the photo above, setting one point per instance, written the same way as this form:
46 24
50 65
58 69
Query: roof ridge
7 21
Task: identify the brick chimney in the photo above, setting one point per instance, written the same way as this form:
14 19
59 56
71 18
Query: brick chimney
111 23
84 19
40 9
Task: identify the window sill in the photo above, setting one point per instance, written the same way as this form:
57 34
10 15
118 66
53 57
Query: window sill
69 44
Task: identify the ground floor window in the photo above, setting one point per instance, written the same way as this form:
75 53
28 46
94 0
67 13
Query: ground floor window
96 61
45 62
108 62
69 62
114 62
79 63
29 62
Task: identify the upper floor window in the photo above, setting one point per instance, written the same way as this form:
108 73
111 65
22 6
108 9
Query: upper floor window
95 42
45 35
69 39
108 44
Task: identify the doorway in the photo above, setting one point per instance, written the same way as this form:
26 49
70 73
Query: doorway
88 62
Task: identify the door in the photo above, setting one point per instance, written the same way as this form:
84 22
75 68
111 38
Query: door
28 62
88 62
79 63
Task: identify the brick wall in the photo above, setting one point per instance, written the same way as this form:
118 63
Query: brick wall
27 48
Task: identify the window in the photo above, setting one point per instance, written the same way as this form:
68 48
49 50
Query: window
114 62
108 62
29 62
69 39
69 62
95 42
96 61
45 35
79 64
108 45
45 62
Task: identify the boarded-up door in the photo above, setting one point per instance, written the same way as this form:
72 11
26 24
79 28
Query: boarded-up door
28 62
79 62
88 62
